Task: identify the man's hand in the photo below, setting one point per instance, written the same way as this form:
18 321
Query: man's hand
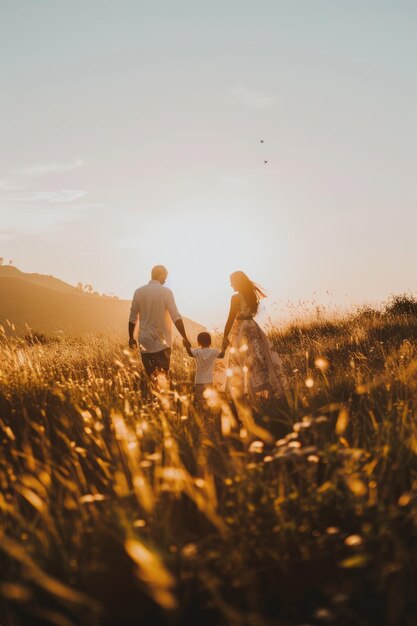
186 343
133 344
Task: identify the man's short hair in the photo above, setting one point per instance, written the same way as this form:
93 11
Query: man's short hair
159 271
204 339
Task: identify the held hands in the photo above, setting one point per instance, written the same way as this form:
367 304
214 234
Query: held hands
225 345
186 344
133 344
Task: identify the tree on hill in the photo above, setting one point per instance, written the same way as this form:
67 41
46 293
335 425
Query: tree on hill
88 288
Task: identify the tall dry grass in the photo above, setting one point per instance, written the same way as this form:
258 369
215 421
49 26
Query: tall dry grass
115 509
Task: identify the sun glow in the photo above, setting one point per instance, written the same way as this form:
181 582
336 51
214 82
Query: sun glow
200 257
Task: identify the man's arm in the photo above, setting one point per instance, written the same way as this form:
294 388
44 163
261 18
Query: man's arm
187 348
132 341
133 318
179 324
176 317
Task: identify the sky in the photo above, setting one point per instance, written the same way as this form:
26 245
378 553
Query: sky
131 135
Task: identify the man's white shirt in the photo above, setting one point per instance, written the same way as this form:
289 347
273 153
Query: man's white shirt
155 305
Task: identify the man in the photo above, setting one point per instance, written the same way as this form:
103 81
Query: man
155 306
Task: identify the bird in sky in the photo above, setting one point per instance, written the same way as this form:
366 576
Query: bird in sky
265 162
261 141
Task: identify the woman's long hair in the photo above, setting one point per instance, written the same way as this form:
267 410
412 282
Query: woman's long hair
251 292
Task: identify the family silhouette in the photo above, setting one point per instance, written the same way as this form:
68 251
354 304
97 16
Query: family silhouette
253 367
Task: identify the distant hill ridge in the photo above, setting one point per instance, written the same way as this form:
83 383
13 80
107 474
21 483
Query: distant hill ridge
42 280
49 305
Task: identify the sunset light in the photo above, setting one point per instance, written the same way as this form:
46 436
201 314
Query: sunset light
208 313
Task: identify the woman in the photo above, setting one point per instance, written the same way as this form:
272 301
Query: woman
254 367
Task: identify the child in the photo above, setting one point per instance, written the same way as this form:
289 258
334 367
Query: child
205 358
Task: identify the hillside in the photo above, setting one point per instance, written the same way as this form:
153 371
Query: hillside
50 306
50 282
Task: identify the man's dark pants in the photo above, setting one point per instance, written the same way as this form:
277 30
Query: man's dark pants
155 362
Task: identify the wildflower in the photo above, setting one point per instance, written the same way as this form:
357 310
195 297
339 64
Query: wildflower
291 436
342 421
156 456
323 614
404 499
340 598
189 550
353 540
139 523
280 443
357 486
256 447
321 363
89 498
16 592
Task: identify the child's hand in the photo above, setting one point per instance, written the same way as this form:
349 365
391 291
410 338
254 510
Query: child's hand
221 355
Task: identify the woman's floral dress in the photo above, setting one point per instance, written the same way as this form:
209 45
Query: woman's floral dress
254 366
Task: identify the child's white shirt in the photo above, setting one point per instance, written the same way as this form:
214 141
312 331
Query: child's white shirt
205 359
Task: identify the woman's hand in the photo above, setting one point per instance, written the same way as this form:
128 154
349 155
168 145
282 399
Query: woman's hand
225 344
234 306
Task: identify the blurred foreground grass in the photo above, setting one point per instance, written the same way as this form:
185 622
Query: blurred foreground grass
115 511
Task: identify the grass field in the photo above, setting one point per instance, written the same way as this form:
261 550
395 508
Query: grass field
115 511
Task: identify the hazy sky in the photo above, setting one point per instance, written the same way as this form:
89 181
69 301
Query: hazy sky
130 135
